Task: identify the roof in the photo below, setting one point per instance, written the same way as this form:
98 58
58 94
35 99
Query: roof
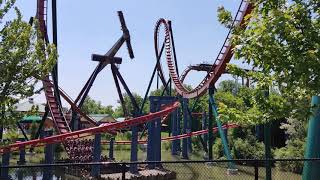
102 118
31 118
120 119
27 106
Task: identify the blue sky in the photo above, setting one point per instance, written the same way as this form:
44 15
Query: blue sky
86 27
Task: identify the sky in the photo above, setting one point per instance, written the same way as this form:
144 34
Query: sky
87 27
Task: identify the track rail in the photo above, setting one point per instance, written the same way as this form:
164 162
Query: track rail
182 136
58 118
224 56
91 131
61 125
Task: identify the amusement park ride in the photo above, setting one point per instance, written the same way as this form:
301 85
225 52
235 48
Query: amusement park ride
68 129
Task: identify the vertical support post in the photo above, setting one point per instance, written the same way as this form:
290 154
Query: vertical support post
189 125
5 162
157 149
49 157
210 126
111 145
179 127
267 143
22 155
75 121
174 119
311 168
185 129
151 142
204 127
134 149
95 169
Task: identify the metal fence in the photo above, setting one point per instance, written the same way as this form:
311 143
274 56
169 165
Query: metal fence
217 169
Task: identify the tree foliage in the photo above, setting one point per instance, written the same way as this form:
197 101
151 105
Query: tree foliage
90 106
129 107
24 59
281 42
282 39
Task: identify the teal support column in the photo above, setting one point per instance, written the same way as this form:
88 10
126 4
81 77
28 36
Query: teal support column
311 169
221 132
210 126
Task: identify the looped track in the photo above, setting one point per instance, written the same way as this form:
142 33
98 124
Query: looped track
217 68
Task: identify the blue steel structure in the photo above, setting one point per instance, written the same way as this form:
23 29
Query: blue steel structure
154 129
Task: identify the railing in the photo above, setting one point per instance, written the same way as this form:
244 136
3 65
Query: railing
216 169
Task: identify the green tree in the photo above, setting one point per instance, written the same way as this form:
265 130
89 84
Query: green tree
24 59
282 39
90 106
129 106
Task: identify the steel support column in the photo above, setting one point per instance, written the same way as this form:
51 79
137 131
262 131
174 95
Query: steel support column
95 169
179 118
311 168
111 145
22 156
185 129
134 149
221 132
174 126
151 140
49 157
210 126
5 162
204 127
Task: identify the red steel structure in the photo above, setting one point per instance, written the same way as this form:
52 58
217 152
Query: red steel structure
64 133
217 68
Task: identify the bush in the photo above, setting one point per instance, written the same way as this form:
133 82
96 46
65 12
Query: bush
128 135
196 143
294 149
245 149
218 149
166 145
59 148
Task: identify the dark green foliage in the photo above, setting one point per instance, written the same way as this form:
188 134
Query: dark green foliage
247 149
90 106
294 149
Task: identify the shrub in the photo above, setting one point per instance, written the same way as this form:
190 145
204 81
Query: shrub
196 143
245 149
59 148
218 149
166 145
294 149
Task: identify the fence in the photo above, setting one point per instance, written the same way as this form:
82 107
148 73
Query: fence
216 169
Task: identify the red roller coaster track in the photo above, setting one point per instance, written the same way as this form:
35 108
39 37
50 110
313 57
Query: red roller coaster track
217 68
182 136
61 124
91 131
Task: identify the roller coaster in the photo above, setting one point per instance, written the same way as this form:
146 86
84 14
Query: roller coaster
67 127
